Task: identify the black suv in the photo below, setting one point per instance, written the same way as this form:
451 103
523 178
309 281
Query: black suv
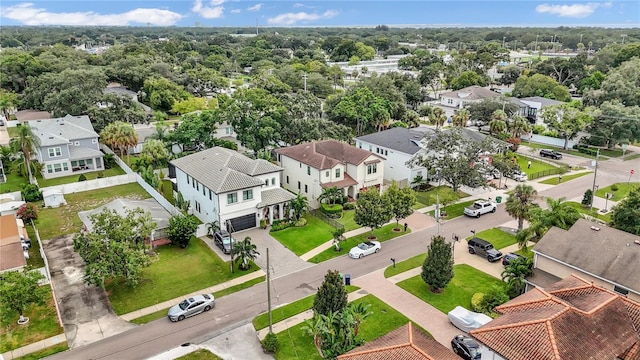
550 154
484 248
466 347
223 240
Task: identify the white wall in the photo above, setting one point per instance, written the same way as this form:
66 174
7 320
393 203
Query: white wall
93 184
487 354
395 167
548 140
359 173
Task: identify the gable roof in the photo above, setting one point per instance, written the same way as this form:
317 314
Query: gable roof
59 131
406 342
573 319
159 214
399 139
325 154
471 93
223 170
11 253
608 253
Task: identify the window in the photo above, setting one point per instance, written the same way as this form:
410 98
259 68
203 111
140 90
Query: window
326 174
55 152
273 181
49 168
337 172
204 190
306 189
197 186
65 166
247 195
287 179
188 179
386 153
449 101
89 161
372 168
266 182
621 290
210 197
57 167
197 206
377 150
229 130
370 148
232 198
298 185
308 170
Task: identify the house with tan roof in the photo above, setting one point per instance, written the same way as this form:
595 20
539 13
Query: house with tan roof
608 257
12 253
471 94
225 186
406 342
311 167
570 319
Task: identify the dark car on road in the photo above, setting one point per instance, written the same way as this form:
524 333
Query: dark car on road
224 241
550 154
466 347
484 248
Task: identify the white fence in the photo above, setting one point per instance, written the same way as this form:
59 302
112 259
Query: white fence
548 140
93 184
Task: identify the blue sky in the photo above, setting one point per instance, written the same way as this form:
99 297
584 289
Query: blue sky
625 13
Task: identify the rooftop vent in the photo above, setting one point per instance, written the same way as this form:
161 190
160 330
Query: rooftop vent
595 228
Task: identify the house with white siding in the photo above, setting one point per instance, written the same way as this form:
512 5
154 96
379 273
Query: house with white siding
225 186
311 167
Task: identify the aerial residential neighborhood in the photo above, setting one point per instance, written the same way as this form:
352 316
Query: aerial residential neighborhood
317 187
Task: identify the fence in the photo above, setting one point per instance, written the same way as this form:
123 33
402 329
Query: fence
322 216
543 173
93 184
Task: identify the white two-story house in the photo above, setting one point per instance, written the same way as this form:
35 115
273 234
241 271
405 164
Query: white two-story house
225 186
397 145
311 167
68 146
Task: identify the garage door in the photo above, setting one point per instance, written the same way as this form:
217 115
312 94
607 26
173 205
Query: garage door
243 222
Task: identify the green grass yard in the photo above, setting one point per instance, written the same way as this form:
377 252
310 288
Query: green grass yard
554 180
200 354
405 265
536 165
347 220
500 239
383 234
302 239
454 210
14 183
64 220
164 280
42 182
428 198
41 354
623 190
594 212
466 282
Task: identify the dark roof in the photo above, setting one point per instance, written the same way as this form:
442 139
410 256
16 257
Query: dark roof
573 319
471 93
608 253
399 139
406 342
325 154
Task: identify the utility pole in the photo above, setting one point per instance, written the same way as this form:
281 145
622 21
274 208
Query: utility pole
305 81
595 173
269 293
623 37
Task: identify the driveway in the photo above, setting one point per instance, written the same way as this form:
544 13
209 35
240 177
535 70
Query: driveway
86 313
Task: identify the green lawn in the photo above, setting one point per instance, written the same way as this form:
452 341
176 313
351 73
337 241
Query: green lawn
384 233
35 259
65 220
428 198
284 312
296 343
12 131
594 211
167 191
43 323
454 210
536 165
347 220
45 352
500 239
621 193
164 280
565 178
528 253
466 282
200 354
405 265
14 183
74 178
632 157
302 239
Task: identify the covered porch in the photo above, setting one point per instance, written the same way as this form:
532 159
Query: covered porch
348 186
85 159
273 204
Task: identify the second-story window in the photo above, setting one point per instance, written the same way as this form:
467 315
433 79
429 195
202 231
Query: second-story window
232 198
337 172
372 168
247 195
55 152
308 170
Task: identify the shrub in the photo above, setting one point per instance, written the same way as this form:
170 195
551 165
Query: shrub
476 299
551 133
31 193
28 212
109 161
494 297
278 225
270 343
538 129
82 178
349 206
100 175
263 224
302 222
586 198
333 211
614 187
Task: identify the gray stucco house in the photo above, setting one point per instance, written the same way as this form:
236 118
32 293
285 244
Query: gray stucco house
68 146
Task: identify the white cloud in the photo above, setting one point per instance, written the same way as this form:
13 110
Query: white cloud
236 11
209 12
293 18
575 10
255 7
297 5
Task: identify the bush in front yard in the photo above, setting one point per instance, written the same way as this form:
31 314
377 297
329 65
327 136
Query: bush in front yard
270 343
476 299
280 225
349 206
302 222
333 211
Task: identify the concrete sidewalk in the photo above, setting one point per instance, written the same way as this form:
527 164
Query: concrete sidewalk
169 303
33 347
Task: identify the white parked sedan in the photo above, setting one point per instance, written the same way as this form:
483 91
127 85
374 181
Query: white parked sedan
364 249
191 306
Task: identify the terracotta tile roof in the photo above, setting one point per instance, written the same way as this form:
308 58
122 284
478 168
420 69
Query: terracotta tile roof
572 319
347 181
406 342
632 353
325 154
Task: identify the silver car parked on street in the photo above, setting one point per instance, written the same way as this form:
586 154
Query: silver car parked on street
191 306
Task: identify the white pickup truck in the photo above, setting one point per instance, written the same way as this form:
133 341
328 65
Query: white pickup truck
480 207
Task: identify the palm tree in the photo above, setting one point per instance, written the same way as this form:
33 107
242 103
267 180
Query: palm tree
213 227
316 327
497 126
299 205
119 135
515 273
461 118
437 117
245 251
520 202
560 214
359 313
519 126
338 236
26 142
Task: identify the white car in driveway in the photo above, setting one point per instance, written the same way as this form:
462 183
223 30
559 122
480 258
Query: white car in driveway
364 249
517 176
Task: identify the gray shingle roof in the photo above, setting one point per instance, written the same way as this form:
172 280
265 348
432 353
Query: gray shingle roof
80 152
223 170
159 214
62 130
399 139
471 93
609 253
543 101
274 196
